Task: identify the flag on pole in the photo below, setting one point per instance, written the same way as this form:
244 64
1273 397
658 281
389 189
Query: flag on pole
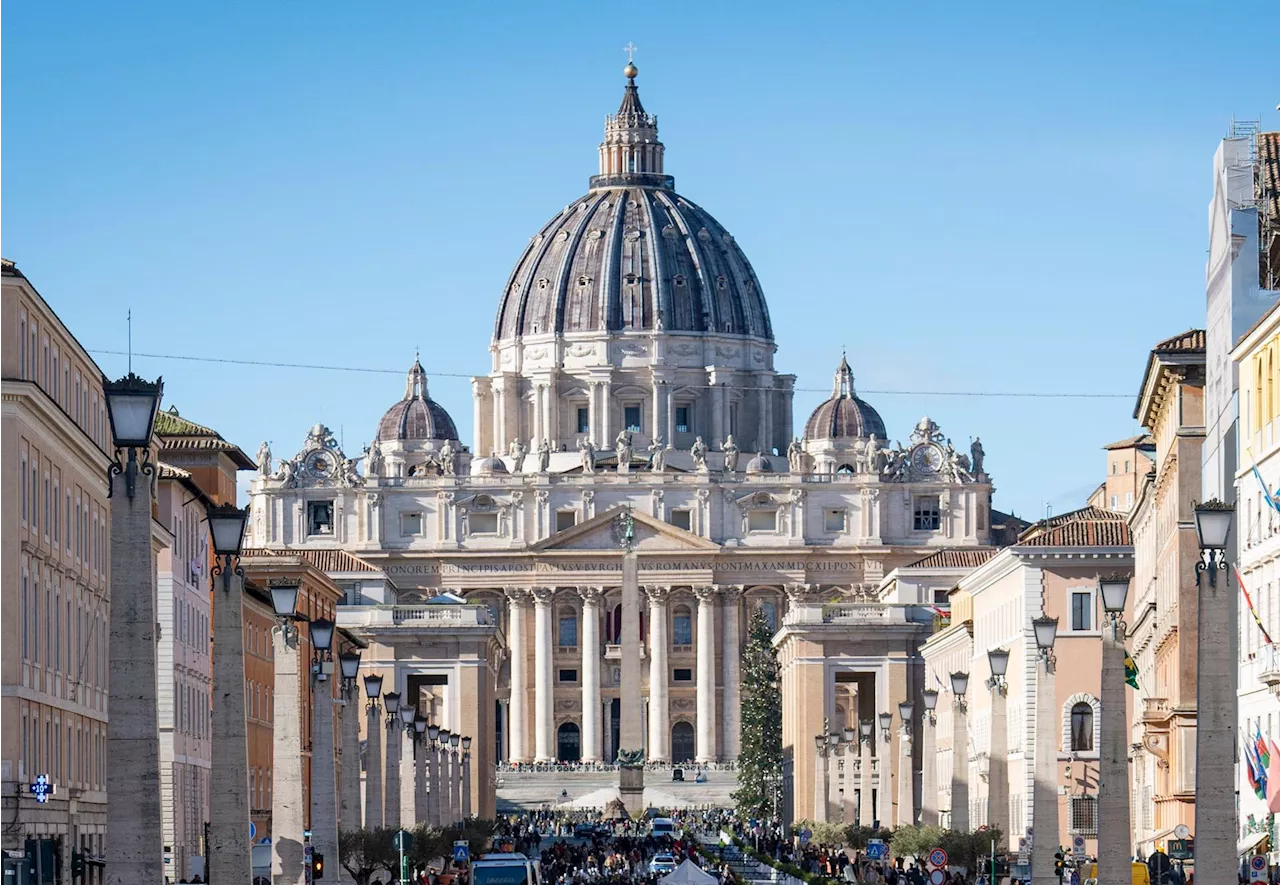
1130 671
1272 501
1251 771
1273 780
1266 637
1260 747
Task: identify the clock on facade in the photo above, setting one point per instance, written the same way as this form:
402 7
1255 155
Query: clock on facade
926 458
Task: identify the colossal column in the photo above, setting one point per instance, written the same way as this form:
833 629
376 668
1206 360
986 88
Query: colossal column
706 733
731 659
543 687
517 727
590 673
659 707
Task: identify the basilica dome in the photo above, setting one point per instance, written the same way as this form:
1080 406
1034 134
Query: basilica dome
417 417
632 255
844 416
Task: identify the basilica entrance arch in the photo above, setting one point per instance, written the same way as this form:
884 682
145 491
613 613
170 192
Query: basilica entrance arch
568 743
682 742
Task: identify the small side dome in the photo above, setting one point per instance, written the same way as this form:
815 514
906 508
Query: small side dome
491 466
759 464
417 417
844 416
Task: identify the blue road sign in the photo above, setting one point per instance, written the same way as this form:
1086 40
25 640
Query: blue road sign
253 829
461 852
877 850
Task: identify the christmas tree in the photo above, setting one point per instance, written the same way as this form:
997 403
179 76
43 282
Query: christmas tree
759 792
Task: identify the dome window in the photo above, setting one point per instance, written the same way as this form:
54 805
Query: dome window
722 282
678 279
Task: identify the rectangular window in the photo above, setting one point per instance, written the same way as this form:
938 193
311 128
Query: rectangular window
24 491
835 521
568 632
410 523
682 674
57 513
319 517
762 521
682 629
1084 815
484 523
927 514
22 347
66 521
1128 499
682 419
584 420
569 676
631 418
681 519
46 504
1082 611
566 519
26 604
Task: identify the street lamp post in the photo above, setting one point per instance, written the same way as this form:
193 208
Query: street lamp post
466 778
1044 802
906 776
455 778
391 801
929 747
433 775
349 807
1114 847
446 793
833 777
134 842
420 770
373 763
324 786
998 748
866 806
849 743
960 753
408 803
228 853
288 816
820 777
1216 677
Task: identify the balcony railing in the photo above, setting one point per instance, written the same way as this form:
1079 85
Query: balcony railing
451 616
1268 664
613 652
845 613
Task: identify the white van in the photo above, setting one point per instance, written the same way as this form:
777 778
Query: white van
504 869
663 826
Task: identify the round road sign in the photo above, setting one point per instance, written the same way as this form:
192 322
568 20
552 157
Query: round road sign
938 857
937 877
1258 862
1182 831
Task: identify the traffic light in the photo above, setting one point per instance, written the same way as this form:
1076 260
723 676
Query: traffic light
317 866
77 865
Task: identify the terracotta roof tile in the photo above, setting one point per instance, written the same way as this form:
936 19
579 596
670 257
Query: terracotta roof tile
182 434
1143 441
168 471
327 561
968 557
1086 533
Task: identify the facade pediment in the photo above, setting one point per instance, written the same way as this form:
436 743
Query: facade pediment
651 535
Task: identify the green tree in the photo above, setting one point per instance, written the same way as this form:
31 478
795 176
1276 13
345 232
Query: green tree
365 852
966 848
759 792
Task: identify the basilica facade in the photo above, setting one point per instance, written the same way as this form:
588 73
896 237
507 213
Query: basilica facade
632 370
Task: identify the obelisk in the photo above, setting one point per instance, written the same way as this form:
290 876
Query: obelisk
630 733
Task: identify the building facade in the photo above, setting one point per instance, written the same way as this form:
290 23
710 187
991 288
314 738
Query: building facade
1052 570
633 373
1164 597
56 574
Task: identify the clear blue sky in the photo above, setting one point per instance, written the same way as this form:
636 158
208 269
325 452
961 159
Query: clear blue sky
970 197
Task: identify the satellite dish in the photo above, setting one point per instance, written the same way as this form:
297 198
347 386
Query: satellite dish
1182 831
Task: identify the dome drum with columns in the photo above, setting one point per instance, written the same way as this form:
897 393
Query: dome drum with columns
654 328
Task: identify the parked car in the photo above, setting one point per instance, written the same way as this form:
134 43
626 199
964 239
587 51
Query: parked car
585 830
662 864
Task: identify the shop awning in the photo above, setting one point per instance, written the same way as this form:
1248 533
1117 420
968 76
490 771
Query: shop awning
1249 842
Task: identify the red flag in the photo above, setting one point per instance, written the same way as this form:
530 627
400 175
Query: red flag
1273 781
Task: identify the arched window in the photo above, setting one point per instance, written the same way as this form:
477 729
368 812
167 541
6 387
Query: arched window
1082 727
770 610
682 626
844 470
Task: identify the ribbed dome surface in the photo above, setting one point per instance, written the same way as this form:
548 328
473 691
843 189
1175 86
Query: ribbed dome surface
844 416
417 416
620 258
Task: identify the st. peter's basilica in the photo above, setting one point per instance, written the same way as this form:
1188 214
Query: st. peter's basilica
632 367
